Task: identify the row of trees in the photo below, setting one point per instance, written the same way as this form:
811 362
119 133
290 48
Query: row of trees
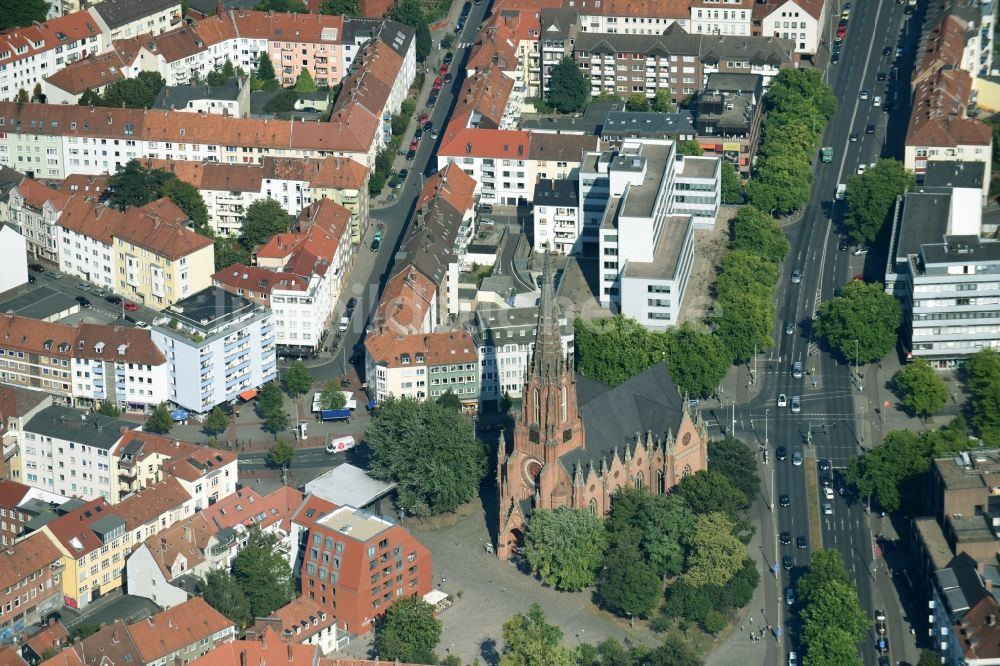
832 618
132 93
385 157
695 535
799 104
982 374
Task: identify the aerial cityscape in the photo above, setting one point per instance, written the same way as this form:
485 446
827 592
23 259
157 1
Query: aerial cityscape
499 333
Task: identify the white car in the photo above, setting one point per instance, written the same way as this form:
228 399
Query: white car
877 101
345 322
861 168
863 95
782 400
828 508
827 492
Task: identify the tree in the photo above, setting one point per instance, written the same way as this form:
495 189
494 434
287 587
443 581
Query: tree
276 421
708 491
217 422
929 658
832 647
689 147
263 573
716 554
697 359
872 195
834 604
662 103
757 232
221 591
109 408
187 197
982 372
737 462
627 585
789 90
782 184
743 322
305 83
139 92
531 641
673 652
281 454
450 400
732 186
23 13
826 565
922 392
265 68
565 547
332 397
714 622
409 632
228 251
263 219
36 93
340 8
159 420
637 102
860 324
282 6
82 631
22 96
569 89
134 185
298 381
450 464
663 522
228 70
615 349
448 40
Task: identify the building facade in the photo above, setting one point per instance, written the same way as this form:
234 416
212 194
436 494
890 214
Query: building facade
30 584
35 208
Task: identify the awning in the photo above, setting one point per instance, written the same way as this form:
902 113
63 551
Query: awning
248 395
179 414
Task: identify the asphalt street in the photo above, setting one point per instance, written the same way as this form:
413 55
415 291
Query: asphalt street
828 425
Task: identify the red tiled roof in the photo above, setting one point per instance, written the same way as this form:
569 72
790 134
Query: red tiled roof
35 194
259 280
437 348
184 460
160 227
486 92
762 10
340 173
312 509
11 492
150 503
496 45
451 185
939 113
168 631
188 539
301 617
84 183
11 656
94 72
84 215
138 342
68 657
498 144
26 557
269 650
45 36
73 531
247 507
404 304
53 634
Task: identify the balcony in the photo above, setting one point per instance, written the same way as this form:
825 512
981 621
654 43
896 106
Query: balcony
128 475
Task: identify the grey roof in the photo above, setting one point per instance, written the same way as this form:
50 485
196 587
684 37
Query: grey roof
648 402
348 485
562 192
734 82
924 219
648 124
561 147
396 35
666 254
488 322
429 245
42 302
963 249
589 122
178 97
943 173
9 179
557 23
117 13
70 425
208 308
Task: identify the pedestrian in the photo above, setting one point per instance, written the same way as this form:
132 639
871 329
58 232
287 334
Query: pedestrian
741 629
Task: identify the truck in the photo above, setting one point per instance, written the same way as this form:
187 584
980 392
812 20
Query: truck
826 154
335 415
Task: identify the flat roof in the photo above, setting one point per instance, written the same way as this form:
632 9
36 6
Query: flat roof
961 249
970 470
944 173
667 253
697 166
39 302
355 523
648 122
924 219
348 485
209 308
638 201
551 192
934 542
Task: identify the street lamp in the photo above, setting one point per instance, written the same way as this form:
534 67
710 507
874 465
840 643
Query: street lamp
767 412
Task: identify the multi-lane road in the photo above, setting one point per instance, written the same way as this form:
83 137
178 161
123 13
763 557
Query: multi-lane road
832 423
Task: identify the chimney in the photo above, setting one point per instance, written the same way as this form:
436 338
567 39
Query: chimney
243 658
290 659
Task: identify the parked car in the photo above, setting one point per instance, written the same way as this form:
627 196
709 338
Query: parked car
130 306
443 69
887 51
32 279
448 77
352 303
38 268
345 322
114 300
790 596
83 301
376 244
448 57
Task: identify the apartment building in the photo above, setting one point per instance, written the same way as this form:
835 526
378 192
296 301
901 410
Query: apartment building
505 338
801 21
155 508
728 117
652 202
222 345
157 568
13 516
35 209
232 98
30 583
944 275
485 102
29 54
558 28
556 216
123 19
408 304
423 365
337 542
265 649
721 17
619 126
633 17
179 635
496 159
13 257
86 244
303 621
83 364
158 260
70 453
93 544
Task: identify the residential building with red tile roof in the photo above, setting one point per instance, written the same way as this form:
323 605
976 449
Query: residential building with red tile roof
27 54
181 634
80 536
53 635
265 650
111 644
304 621
64 658
770 19
30 582
495 46
357 565
11 656
408 304
271 513
67 85
157 507
35 209
87 228
422 366
85 184
484 101
496 159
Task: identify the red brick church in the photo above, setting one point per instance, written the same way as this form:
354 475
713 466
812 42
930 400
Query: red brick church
576 441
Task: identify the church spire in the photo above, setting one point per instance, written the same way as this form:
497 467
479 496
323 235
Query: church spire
548 361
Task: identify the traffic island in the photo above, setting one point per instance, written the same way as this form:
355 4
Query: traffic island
812 492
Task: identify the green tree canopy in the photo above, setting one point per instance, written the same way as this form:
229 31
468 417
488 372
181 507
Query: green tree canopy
139 92
627 584
569 89
921 391
281 454
790 89
834 647
689 147
450 464
637 102
565 547
929 658
737 462
228 251
673 652
756 232
23 13
663 103
263 219
262 572
864 313
217 422
409 633
697 359
982 372
708 492
298 381
134 185
872 195
332 397
109 408
716 555
159 420
282 6
732 185
450 400
662 521
410 12
282 102
221 591
832 605
305 83
531 641
826 565
187 197
615 349
340 8
265 68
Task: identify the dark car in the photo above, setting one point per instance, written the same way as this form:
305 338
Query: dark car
466 8
785 538
448 77
428 126
784 500
352 303
887 51
432 100
410 154
419 134
403 173
448 57
781 453
38 268
870 129
460 26
824 465
83 301
32 279
787 563
842 245
376 244
114 300
801 542
880 76
835 58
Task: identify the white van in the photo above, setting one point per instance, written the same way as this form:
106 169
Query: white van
841 192
340 444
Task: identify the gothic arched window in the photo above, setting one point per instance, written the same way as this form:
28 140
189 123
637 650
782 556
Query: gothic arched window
687 470
563 408
659 482
593 506
537 406
639 481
